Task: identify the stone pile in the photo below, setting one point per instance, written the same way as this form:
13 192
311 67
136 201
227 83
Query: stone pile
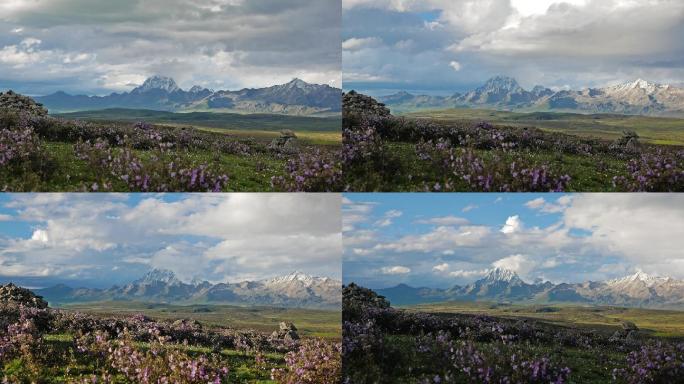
354 103
11 294
287 332
23 104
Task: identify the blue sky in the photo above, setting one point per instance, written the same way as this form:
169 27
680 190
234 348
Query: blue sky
446 46
105 46
439 240
97 240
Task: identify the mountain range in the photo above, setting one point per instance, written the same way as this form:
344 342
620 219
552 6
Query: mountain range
504 93
501 285
296 290
162 93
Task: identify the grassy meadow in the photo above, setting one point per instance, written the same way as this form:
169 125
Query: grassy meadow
653 130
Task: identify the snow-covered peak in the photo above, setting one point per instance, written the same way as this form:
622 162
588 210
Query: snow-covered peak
638 277
502 274
298 83
159 276
163 83
197 89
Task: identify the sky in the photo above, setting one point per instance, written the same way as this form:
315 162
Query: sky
447 46
97 240
440 240
103 46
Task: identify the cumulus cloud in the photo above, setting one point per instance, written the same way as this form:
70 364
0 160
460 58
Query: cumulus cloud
216 237
557 43
513 224
396 270
104 46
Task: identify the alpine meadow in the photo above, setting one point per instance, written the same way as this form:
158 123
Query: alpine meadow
514 96
513 288
220 288
152 96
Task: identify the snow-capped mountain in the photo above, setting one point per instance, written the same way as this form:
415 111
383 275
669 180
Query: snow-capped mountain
296 289
296 97
637 290
158 83
501 92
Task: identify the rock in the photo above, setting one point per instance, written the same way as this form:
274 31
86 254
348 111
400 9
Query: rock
354 103
11 294
629 326
286 331
21 104
287 141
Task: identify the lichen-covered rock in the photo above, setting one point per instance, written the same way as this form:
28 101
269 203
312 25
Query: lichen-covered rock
21 104
356 104
287 142
286 331
11 294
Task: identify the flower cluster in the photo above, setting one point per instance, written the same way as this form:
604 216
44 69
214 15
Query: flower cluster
311 171
652 172
161 172
316 361
157 363
658 363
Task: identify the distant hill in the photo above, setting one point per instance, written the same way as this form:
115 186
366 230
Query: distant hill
500 285
162 93
295 290
504 93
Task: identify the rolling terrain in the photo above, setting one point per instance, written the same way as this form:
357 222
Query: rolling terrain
654 130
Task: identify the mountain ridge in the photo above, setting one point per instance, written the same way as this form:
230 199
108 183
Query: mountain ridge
638 97
636 290
297 289
296 97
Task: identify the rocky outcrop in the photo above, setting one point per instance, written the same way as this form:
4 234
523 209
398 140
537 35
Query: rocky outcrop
21 104
356 104
11 294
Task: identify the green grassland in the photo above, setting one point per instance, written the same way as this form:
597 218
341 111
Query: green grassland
309 322
654 322
66 366
405 168
227 121
654 130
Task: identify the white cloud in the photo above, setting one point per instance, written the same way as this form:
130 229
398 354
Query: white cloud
520 264
546 207
395 270
441 267
355 44
513 224
445 220
469 208
455 65
468 273
216 236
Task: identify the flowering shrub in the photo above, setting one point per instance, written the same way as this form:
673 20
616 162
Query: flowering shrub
650 172
653 364
156 364
467 156
315 362
160 173
314 171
